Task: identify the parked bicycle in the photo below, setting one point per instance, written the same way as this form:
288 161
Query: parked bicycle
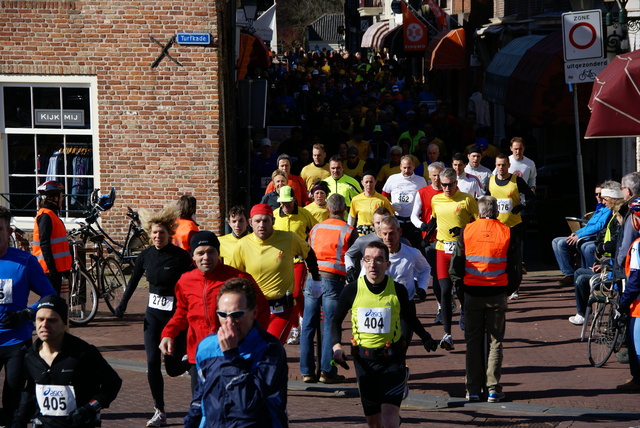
606 336
99 262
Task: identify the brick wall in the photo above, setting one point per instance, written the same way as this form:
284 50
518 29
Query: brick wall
161 130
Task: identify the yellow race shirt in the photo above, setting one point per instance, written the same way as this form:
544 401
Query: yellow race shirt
508 196
320 213
227 245
299 222
311 173
270 262
455 211
362 207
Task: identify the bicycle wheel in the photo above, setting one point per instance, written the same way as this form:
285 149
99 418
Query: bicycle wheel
601 336
83 298
113 283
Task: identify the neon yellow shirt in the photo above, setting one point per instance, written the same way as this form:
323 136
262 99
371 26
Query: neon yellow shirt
455 211
363 206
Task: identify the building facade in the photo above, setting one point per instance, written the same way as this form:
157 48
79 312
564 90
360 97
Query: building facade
96 94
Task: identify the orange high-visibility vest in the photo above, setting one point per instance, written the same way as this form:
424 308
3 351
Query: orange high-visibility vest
634 310
59 243
486 244
330 241
185 230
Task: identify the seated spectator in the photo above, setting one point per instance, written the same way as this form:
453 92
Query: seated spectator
565 248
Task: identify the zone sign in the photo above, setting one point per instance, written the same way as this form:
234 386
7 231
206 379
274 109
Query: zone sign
582 35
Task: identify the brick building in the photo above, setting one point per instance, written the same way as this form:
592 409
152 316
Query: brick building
81 103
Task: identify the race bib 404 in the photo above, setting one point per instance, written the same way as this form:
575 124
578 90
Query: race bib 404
374 320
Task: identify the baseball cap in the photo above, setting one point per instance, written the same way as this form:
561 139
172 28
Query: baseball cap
395 88
265 142
482 143
377 128
286 194
305 88
410 112
475 149
612 193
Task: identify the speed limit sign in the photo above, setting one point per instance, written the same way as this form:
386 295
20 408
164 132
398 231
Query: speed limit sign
582 35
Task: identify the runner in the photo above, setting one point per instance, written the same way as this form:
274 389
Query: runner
162 264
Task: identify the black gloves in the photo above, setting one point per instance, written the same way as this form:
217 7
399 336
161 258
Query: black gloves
517 209
455 231
433 225
424 227
352 275
430 344
82 416
16 319
422 295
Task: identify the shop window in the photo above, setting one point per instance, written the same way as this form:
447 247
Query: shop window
47 134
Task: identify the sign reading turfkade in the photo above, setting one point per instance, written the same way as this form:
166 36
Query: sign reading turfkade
55 116
193 38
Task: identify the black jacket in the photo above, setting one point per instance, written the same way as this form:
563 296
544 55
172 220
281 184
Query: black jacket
79 364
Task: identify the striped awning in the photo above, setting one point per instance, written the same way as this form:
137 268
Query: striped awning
374 36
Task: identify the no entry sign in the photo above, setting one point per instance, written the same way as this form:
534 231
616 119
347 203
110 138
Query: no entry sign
582 33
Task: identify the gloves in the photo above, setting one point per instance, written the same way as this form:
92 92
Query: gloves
16 319
81 416
430 344
424 227
433 225
119 311
352 275
620 319
422 294
316 288
517 209
455 231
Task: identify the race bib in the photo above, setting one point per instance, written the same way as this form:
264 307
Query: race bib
404 198
163 303
6 291
504 205
449 246
56 400
374 320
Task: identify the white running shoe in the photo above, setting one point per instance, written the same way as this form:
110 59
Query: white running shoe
294 337
159 419
577 320
514 296
447 343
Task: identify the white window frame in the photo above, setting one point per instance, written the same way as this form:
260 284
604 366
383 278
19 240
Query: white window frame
90 82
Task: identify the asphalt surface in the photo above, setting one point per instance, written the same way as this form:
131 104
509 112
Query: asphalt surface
546 374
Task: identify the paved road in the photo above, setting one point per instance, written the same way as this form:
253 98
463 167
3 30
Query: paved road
546 374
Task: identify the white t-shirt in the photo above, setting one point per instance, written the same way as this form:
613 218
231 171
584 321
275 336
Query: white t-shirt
470 184
403 192
482 172
525 168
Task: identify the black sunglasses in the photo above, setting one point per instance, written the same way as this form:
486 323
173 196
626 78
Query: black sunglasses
453 183
235 314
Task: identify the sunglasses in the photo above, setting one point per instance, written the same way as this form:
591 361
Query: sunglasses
236 315
453 183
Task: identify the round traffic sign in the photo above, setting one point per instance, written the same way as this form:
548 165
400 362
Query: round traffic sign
586 30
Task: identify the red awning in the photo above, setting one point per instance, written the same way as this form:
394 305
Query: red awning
447 50
615 99
253 53
375 34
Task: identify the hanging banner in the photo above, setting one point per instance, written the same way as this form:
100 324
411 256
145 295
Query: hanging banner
440 14
415 32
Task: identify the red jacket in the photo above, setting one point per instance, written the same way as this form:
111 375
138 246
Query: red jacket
192 289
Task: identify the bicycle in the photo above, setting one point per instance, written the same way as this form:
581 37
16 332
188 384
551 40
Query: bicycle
135 241
605 335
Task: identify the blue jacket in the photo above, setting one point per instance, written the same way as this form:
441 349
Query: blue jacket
596 223
242 387
20 273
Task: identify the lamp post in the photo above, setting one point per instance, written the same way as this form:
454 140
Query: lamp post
250 9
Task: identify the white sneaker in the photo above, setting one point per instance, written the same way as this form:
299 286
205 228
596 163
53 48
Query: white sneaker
294 337
447 343
514 296
577 320
159 419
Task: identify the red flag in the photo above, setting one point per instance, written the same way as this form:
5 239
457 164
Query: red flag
415 32
440 14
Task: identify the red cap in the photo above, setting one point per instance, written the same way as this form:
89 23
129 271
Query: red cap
261 209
